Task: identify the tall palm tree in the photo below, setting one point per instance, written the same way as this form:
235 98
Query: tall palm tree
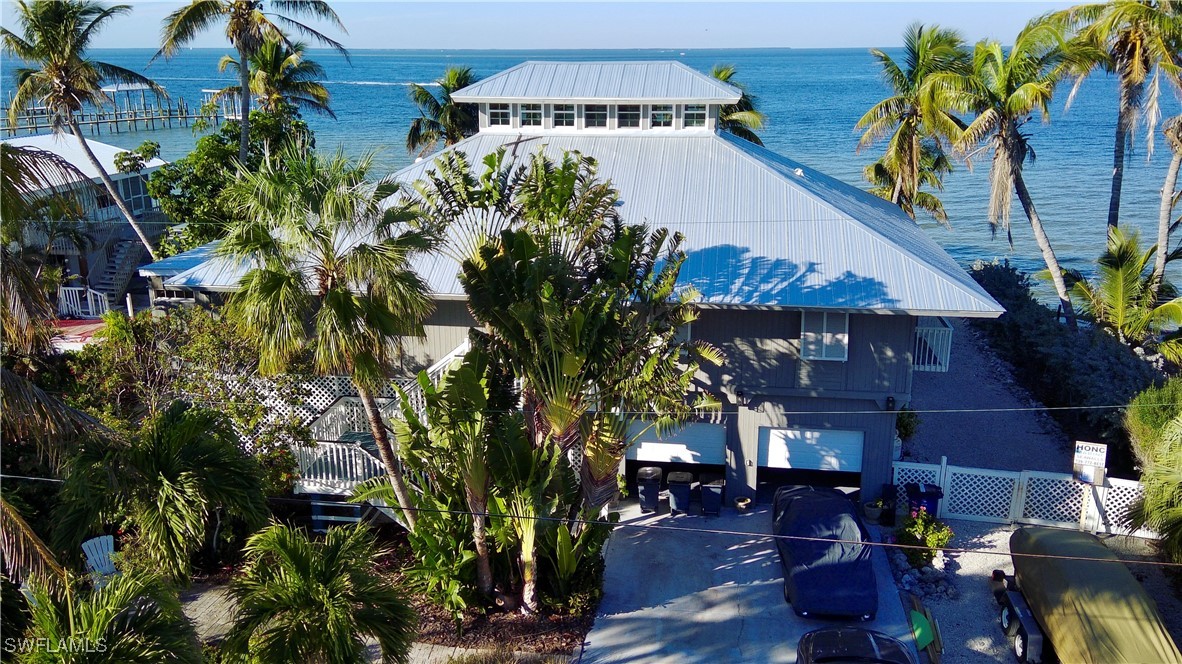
282 81
300 600
742 118
134 618
440 118
1140 41
1130 302
934 164
61 77
1004 88
917 126
330 274
172 481
1169 195
248 27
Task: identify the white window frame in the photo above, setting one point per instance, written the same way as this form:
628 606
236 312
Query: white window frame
599 108
639 115
562 108
528 110
664 108
493 115
698 114
834 334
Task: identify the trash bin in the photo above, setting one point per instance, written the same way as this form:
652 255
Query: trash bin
926 496
679 491
712 490
890 505
648 487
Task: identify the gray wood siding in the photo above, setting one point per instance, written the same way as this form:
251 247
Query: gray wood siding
445 329
763 351
877 425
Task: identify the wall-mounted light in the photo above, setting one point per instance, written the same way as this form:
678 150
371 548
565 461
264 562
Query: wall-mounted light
890 403
742 399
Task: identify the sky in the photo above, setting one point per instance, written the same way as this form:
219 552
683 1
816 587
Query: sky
376 24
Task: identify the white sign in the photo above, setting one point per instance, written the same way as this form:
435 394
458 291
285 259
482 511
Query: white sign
1090 454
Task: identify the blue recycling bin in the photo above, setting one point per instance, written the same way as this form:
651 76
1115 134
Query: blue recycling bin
926 496
648 488
680 484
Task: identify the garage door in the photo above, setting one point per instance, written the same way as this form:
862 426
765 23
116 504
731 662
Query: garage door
694 443
810 449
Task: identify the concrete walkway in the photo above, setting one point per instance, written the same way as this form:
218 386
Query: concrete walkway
686 595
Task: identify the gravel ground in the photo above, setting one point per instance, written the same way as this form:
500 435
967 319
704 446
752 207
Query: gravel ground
1014 440
977 378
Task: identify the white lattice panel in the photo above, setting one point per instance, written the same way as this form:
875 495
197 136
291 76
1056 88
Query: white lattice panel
913 473
1052 500
1119 496
979 495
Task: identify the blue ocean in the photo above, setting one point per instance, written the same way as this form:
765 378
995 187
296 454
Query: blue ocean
812 99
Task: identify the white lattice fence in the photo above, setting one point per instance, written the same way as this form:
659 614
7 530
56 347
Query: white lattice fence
1001 496
974 494
1051 499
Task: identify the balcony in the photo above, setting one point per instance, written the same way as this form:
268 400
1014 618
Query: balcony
933 344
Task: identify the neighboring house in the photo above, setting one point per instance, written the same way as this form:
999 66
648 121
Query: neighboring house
825 298
96 275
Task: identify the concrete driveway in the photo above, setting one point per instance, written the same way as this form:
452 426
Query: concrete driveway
684 595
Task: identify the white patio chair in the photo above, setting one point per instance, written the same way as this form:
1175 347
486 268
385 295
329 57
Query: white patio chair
99 562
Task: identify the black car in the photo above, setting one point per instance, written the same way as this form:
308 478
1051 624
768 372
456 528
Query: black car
850 645
823 578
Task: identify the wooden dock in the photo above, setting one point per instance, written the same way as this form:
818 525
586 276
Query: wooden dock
136 113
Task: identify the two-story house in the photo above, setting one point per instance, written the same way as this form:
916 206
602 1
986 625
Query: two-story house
98 270
825 298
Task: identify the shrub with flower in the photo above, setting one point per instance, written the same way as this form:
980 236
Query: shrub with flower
920 528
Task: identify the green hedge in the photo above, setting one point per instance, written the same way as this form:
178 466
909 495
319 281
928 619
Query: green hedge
1062 368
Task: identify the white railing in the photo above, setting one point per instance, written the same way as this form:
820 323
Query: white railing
81 302
1026 497
334 468
933 344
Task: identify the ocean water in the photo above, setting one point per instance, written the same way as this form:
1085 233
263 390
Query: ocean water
812 99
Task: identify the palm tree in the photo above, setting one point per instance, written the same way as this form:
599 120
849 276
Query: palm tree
1004 88
916 124
440 118
1133 304
248 28
741 119
282 81
299 600
1169 195
135 617
933 166
60 76
1139 41
172 482
330 274
1160 506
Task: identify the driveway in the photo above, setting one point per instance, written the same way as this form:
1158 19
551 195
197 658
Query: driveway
675 593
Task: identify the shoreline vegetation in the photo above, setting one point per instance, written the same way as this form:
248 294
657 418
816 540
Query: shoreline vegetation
501 469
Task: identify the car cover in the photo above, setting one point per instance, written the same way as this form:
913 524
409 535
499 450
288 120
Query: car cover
824 578
1093 611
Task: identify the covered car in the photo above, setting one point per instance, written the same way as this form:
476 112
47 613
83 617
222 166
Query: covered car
832 577
851 645
1091 608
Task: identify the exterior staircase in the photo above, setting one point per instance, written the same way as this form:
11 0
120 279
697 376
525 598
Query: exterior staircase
124 257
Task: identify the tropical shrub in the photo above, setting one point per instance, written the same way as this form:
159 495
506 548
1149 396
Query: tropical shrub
1154 421
906 422
303 600
1084 370
920 528
135 617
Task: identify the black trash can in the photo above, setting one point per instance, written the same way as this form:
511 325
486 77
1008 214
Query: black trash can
890 505
713 487
648 488
679 491
926 496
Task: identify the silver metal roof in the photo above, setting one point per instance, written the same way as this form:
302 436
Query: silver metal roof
174 265
600 81
760 229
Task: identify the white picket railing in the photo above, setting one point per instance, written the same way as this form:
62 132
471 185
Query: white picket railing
334 468
1026 497
933 344
81 302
